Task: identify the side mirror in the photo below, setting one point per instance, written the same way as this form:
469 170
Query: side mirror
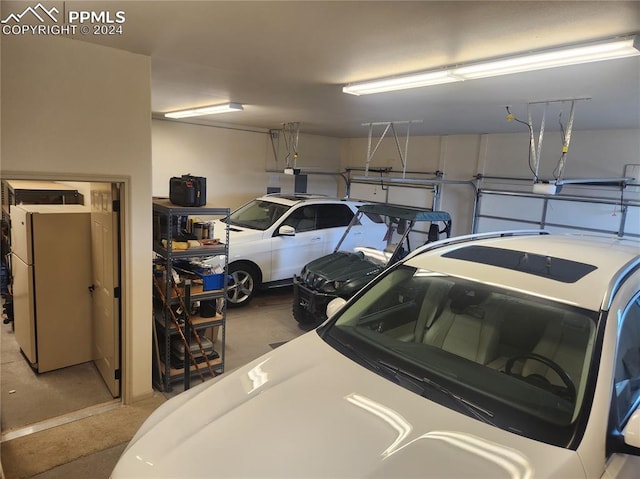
631 432
286 230
335 305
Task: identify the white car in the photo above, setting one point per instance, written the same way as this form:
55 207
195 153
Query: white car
506 355
272 237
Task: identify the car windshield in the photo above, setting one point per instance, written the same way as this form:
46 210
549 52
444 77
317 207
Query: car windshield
257 214
516 361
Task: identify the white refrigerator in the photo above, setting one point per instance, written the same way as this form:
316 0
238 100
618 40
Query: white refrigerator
51 266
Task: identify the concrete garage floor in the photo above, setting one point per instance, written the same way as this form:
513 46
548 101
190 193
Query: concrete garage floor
251 331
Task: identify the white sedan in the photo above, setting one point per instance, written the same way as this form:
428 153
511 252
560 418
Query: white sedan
272 237
505 355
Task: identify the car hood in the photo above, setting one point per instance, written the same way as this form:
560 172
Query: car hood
305 410
343 265
237 234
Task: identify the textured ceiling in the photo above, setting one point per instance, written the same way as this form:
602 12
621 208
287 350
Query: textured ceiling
287 61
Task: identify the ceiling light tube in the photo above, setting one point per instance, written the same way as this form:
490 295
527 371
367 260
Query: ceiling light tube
610 50
400 82
620 47
206 110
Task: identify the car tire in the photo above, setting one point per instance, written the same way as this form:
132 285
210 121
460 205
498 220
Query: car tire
244 281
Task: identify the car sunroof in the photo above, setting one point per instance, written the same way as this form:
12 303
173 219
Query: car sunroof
558 269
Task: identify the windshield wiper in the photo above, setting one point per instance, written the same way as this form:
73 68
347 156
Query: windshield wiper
403 376
415 383
369 362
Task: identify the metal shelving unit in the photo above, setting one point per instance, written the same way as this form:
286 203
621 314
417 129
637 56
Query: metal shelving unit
174 319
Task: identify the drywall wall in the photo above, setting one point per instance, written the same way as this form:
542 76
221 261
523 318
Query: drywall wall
238 164
455 156
592 154
76 111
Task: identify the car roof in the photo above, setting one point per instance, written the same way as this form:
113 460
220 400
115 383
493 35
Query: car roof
295 198
405 213
573 269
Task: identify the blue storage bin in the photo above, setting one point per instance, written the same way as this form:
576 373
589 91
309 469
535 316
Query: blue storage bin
212 281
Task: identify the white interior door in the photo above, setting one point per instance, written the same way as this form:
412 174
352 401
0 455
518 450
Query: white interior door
106 287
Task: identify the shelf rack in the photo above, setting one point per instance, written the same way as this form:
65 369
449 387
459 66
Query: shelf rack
167 221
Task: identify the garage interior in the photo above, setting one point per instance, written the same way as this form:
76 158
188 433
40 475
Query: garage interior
83 108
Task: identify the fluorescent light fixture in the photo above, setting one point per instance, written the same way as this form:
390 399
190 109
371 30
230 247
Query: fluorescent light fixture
206 110
402 82
595 52
572 55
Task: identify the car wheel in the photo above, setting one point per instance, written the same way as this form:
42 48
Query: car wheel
242 284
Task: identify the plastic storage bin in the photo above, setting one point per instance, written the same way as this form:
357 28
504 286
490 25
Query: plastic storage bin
212 281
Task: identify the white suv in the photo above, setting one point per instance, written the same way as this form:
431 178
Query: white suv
272 237
506 355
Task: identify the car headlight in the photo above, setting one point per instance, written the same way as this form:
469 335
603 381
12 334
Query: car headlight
333 286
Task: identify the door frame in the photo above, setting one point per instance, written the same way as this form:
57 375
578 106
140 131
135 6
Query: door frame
124 217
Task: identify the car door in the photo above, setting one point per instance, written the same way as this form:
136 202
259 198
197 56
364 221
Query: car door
317 230
333 220
289 252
